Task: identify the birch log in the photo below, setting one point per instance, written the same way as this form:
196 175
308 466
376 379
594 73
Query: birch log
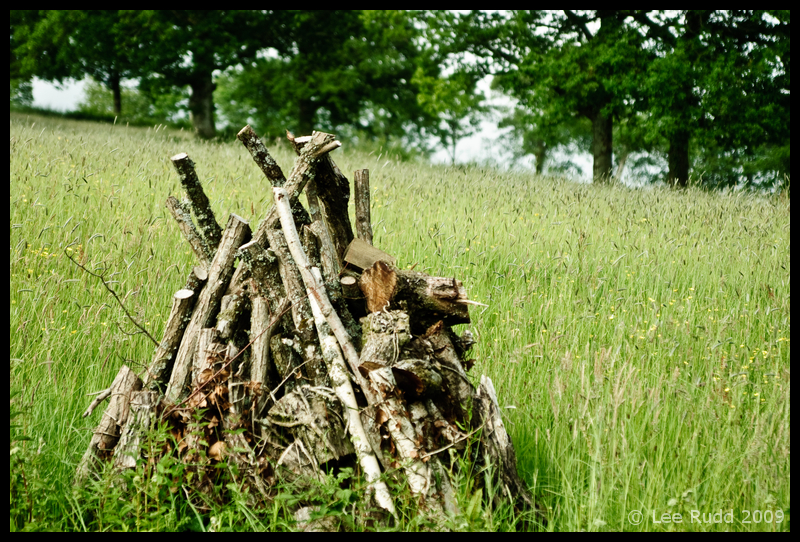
332 353
340 381
314 287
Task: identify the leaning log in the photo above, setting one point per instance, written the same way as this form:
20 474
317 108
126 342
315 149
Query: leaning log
236 233
198 200
107 432
161 367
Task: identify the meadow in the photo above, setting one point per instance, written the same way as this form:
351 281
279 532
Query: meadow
638 340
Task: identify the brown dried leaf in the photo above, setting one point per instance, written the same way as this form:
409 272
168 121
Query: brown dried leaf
217 450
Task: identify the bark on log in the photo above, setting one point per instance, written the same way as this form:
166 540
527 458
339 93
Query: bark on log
438 343
236 233
340 381
230 309
303 170
496 446
196 279
385 333
261 269
160 368
140 421
272 171
428 299
363 221
333 190
330 263
313 414
183 217
260 371
107 432
295 292
210 351
314 284
350 289
198 200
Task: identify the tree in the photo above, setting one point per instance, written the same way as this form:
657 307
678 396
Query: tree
455 101
180 48
562 64
330 69
55 45
535 133
720 79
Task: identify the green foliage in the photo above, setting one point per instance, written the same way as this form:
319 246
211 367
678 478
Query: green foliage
21 92
137 107
707 89
455 101
354 74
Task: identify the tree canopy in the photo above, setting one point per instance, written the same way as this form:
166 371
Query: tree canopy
707 90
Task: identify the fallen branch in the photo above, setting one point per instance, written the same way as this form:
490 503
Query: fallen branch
112 292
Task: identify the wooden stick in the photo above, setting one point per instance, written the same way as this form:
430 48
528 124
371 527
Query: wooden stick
301 173
334 194
107 432
140 420
363 224
160 367
184 219
344 391
262 157
314 287
198 199
219 275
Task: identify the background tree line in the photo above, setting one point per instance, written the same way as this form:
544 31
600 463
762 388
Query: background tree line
707 91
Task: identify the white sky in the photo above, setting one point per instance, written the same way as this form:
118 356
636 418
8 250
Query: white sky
483 145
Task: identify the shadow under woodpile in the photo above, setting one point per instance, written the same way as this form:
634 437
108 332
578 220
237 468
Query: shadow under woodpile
314 353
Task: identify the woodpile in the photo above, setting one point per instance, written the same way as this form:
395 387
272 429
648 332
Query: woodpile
312 354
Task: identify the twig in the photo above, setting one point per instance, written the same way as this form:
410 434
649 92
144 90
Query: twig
121 304
465 437
102 396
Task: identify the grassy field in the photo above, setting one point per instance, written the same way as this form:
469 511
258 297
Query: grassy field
638 339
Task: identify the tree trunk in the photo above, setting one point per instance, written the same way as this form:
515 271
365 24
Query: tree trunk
540 153
116 90
678 159
201 105
621 159
601 147
305 117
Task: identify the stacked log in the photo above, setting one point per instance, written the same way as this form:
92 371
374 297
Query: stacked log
314 352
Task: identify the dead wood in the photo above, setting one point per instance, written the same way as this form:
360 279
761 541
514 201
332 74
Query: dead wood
315 352
106 435
363 220
198 200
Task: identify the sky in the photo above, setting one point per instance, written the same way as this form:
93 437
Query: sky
485 144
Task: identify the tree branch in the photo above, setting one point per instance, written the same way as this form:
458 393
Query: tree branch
121 304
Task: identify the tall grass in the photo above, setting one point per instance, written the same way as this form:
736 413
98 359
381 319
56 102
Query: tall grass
638 339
